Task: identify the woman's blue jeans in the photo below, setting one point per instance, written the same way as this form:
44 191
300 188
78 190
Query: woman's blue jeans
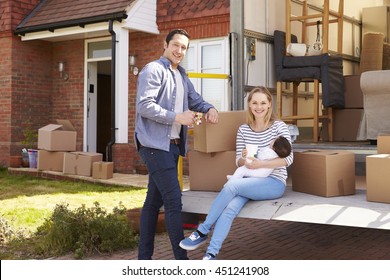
229 202
163 189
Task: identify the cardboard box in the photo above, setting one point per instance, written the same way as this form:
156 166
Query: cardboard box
208 171
57 137
50 161
80 163
324 172
102 170
219 137
353 94
346 124
377 178
383 144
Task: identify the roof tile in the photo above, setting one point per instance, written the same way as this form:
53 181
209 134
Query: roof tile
56 11
184 9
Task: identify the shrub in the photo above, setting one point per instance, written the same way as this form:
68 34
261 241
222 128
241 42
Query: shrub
8 233
84 231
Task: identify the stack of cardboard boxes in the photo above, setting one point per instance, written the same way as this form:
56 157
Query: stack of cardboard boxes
346 121
57 152
214 154
377 172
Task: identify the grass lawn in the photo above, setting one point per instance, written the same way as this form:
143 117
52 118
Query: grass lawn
25 202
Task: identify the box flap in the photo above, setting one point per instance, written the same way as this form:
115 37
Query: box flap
66 125
326 152
379 156
51 127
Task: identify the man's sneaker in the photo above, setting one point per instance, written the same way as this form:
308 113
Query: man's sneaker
208 257
193 241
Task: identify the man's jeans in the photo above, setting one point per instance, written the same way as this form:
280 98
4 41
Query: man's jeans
163 189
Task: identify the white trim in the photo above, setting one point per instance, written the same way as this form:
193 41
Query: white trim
69 33
142 16
85 132
86 61
122 84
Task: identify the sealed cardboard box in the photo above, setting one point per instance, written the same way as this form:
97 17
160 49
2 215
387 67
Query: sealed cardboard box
208 171
50 161
383 144
324 172
346 124
221 136
377 178
80 163
57 137
102 170
353 94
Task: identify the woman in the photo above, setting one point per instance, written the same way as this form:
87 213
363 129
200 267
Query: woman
262 128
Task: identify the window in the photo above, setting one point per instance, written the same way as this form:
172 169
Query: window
100 49
209 56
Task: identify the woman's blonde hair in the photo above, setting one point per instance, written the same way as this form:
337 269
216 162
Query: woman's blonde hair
269 118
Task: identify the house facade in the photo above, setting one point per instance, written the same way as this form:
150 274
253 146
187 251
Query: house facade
100 45
57 61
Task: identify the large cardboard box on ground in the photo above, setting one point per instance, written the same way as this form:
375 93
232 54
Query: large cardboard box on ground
383 144
57 137
208 171
353 95
377 178
80 163
221 136
50 161
324 172
102 170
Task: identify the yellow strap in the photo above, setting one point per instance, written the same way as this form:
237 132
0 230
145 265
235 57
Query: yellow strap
180 172
207 75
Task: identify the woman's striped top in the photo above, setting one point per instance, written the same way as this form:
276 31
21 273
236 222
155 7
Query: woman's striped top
245 135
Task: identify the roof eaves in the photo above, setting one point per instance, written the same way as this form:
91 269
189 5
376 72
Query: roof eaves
71 23
33 12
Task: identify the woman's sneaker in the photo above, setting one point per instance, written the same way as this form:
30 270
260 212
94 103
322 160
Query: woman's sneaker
209 257
193 241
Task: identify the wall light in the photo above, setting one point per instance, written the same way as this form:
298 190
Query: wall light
61 69
133 68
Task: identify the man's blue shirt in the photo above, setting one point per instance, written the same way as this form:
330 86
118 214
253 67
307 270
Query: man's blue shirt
155 105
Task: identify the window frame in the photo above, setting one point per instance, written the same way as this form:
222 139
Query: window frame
196 56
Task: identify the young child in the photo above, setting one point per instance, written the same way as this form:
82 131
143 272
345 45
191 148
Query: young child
281 147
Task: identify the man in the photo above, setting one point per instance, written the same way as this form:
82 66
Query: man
166 102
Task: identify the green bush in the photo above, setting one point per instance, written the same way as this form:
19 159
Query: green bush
84 231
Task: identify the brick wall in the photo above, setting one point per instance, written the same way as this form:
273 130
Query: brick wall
31 88
68 95
5 99
122 158
23 85
12 13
